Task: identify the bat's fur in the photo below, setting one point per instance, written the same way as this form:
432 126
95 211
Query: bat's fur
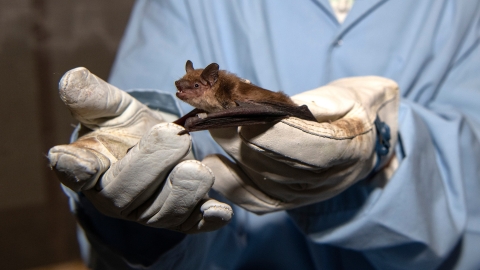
212 90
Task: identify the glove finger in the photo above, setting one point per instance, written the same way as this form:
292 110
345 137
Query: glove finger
309 145
261 183
264 192
271 164
77 167
325 103
187 184
208 216
95 102
133 179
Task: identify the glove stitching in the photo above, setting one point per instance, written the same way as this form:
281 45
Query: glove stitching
110 155
277 154
219 206
307 126
55 151
120 132
127 122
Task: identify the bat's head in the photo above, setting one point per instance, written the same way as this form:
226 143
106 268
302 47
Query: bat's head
198 86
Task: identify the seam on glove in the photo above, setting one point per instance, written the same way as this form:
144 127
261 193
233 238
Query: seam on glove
303 126
133 119
281 157
108 154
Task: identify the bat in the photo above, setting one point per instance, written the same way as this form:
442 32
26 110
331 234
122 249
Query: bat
221 99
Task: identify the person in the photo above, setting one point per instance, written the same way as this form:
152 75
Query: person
329 195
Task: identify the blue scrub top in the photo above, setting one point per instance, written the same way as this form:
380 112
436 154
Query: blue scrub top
426 216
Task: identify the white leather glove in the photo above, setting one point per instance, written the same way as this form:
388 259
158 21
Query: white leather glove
296 162
128 160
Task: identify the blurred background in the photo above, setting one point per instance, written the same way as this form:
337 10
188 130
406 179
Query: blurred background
39 41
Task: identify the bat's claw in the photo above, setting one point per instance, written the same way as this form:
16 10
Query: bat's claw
183 132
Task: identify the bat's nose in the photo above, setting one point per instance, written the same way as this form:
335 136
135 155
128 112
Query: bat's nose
181 84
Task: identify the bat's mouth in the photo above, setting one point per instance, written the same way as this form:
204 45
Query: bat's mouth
186 94
181 94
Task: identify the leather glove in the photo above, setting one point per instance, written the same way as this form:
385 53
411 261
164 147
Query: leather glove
130 163
296 162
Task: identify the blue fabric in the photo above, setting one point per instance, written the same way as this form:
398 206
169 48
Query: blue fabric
428 215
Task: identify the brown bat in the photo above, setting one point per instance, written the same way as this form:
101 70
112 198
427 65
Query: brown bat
222 99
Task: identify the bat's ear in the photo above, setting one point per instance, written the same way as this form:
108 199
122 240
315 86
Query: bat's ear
210 73
189 66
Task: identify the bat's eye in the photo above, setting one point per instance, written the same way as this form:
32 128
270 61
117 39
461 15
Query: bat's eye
196 85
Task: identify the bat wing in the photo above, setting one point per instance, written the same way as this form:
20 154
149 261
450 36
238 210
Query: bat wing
246 113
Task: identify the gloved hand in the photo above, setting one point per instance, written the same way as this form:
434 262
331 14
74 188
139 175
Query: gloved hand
130 163
296 162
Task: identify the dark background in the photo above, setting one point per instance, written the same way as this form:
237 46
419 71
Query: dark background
39 41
